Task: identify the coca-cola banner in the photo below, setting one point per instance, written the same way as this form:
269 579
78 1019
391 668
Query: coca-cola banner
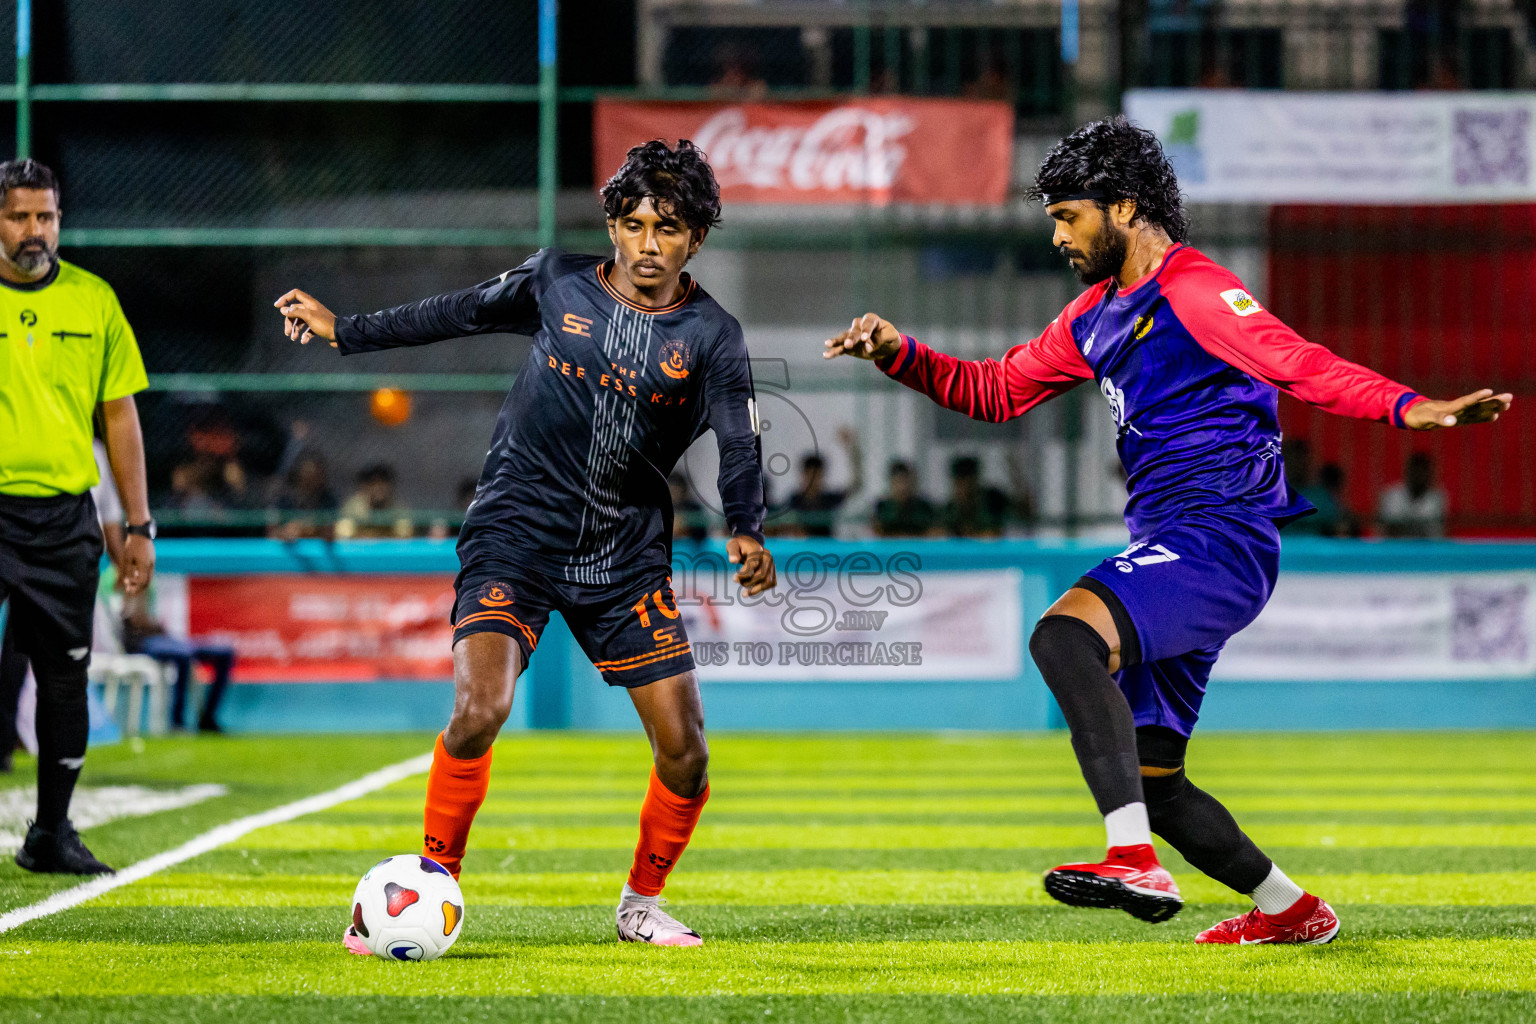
887 150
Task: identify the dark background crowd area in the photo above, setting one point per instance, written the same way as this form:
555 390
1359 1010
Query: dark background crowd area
252 475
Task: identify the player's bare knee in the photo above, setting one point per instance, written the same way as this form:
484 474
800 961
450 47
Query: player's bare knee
476 722
683 766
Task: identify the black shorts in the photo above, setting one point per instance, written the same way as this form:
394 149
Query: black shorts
50 563
631 631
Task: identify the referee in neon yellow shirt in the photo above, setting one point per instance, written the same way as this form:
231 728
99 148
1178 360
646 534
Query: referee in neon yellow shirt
67 355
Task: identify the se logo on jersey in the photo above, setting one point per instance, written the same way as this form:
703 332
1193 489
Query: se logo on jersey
674 360
1241 302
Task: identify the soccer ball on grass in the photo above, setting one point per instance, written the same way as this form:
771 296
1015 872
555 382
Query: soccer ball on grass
408 908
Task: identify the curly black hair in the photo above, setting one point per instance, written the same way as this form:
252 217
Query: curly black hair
681 179
1119 160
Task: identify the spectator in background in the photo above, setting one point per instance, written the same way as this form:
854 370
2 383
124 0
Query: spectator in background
903 512
973 509
1302 477
463 497
206 484
211 478
366 512
1413 507
991 83
813 509
738 72
143 633
1021 506
1330 485
305 504
1324 488
688 518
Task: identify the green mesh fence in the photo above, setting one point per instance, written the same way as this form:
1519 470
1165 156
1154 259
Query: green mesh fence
216 153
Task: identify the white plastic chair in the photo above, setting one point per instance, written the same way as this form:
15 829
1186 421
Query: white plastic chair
135 673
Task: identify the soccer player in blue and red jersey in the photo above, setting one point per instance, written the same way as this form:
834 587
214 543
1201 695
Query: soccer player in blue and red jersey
1192 367
631 363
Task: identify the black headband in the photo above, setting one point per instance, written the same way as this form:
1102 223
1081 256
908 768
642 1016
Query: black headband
1096 194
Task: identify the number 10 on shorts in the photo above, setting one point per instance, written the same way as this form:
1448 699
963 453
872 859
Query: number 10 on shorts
664 635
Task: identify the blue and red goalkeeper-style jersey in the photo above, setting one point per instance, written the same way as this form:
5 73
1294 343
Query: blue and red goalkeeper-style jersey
1192 367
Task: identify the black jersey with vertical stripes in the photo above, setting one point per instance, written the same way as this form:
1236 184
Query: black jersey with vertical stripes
575 482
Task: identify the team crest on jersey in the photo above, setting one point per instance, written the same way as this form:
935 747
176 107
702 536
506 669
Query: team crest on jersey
1241 302
495 595
1143 325
674 359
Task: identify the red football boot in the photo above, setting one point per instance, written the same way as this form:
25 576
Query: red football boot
1129 879
1310 921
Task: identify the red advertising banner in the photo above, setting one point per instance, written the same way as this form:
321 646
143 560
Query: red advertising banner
878 150
327 629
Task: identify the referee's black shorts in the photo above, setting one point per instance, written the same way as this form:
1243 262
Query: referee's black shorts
50 564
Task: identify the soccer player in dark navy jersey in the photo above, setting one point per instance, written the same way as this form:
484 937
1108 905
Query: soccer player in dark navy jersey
631 363
1192 366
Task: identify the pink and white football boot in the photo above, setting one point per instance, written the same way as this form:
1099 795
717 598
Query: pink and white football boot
1310 922
1129 879
641 919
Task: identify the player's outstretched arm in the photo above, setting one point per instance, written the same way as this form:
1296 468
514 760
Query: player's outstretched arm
1479 407
993 390
508 302
870 337
1229 324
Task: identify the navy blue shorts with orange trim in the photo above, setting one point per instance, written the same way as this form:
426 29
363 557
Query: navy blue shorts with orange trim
631 631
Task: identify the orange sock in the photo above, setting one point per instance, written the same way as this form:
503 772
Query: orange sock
666 825
455 790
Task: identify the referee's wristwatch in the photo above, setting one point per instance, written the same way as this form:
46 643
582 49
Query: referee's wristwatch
144 529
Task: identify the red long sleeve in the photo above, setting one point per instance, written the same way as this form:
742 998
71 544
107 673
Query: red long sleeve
1227 322
996 390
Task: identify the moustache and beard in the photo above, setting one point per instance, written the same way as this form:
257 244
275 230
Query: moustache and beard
32 254
1104 258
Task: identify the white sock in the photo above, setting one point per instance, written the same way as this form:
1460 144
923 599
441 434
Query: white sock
630 896
1127 826
1276 894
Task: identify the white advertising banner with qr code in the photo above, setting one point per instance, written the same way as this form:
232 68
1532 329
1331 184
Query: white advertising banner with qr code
883 622
1441 627
1344 148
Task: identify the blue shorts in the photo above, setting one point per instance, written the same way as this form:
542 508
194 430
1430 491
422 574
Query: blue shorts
632 631
1187 588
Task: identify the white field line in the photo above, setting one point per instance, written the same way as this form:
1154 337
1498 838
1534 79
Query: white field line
97 805
212 840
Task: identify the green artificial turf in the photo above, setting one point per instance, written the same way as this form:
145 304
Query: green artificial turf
845 878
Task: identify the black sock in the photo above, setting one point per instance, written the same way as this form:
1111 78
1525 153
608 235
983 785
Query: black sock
1196 824
63 724
1074 660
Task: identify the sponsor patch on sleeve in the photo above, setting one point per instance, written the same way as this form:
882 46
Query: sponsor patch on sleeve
1241 302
